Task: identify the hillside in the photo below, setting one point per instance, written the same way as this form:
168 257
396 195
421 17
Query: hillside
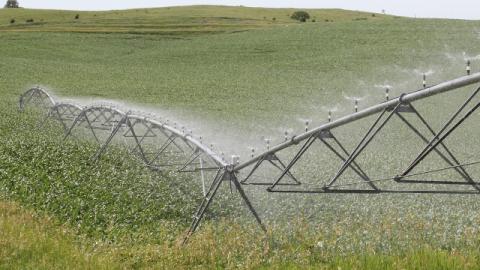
169 20
234 90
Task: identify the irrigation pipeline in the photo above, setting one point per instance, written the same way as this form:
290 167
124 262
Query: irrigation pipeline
114 120
405 98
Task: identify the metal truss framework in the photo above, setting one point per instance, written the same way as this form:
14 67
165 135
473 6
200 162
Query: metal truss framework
161 146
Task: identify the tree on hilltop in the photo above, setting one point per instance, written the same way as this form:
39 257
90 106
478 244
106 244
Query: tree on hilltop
302 16
11 4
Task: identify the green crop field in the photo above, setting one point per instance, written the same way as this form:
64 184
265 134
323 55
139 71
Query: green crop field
235 76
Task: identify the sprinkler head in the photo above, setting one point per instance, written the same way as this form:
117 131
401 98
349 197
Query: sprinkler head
424 80
253 152
329 116
268 143
356 105
286 135
306 125
387 96
468 67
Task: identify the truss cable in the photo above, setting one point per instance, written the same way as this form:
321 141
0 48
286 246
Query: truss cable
409 175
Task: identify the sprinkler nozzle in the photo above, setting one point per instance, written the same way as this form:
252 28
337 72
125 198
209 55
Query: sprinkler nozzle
468 67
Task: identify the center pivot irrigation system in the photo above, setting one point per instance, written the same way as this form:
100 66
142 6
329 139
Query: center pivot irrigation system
162 145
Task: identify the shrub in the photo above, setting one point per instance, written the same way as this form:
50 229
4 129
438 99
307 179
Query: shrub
30 20
12 21
301 16
11 4
373 15
77 16
313 20
274 19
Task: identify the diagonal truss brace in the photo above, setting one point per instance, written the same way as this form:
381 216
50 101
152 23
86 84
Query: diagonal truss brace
438 140
336 147
275 162
449 158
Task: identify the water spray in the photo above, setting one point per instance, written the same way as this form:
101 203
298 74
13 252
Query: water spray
235 159
228 172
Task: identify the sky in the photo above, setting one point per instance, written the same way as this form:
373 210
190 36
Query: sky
457 9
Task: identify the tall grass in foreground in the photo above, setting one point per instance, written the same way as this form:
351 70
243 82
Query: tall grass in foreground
31 242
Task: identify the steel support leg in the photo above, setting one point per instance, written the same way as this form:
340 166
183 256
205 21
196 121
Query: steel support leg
222 175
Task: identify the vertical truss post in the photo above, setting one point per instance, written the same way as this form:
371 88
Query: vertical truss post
202 175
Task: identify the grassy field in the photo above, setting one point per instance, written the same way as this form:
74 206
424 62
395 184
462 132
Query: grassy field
254 77
167 21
